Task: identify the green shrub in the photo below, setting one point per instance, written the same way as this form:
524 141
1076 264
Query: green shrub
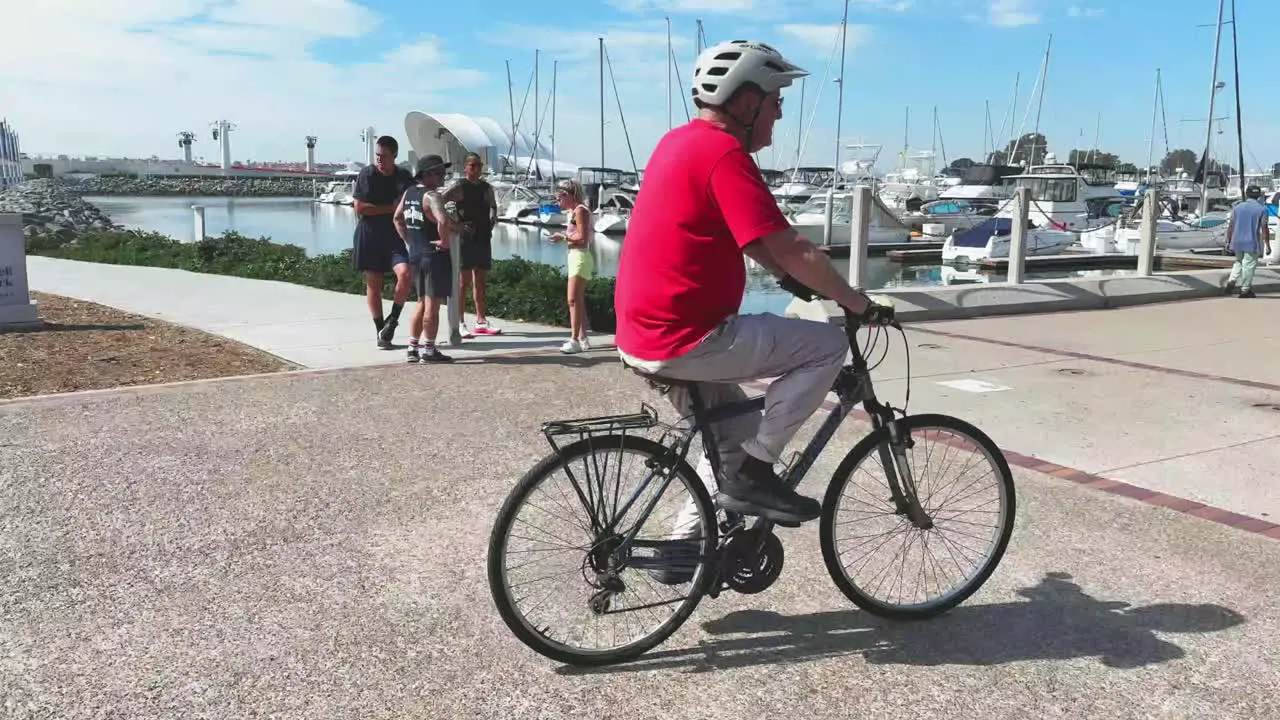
518 289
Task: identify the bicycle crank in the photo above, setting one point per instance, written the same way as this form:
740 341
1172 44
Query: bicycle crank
750 562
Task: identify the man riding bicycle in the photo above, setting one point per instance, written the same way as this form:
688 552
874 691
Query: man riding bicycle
681 279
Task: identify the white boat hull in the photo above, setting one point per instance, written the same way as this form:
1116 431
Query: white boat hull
841 233
1039 242
1169 236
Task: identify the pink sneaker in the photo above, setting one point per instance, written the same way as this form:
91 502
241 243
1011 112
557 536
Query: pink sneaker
485 329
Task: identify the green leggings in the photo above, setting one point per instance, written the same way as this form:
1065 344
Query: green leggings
1242 269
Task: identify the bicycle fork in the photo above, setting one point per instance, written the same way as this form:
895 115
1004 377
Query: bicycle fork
893 457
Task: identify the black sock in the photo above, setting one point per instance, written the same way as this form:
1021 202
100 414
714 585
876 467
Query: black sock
378 323
395 311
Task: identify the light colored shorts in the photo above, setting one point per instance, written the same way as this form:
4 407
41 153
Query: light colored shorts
581 264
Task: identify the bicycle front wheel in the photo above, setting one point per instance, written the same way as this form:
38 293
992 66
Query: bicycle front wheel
921 572
625 553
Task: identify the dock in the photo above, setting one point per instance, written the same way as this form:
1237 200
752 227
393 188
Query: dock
1207 258
888 249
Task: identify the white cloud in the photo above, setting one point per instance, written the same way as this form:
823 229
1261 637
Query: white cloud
1011 13
690 6
820 39
127 75
1076 11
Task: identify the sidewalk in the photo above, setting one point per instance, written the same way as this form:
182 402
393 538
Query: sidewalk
312 328
237 548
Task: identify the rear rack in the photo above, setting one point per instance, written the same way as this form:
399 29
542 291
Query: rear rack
560 432
603 424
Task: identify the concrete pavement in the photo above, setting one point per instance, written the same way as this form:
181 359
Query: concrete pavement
310 327
1179 398
239 548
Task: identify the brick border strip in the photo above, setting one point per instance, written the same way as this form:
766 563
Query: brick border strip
1253 525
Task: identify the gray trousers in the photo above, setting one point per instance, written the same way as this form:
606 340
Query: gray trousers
804 356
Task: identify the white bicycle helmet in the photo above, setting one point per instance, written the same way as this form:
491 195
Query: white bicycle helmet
722 69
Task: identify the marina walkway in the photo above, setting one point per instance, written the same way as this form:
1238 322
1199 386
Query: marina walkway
306 326
229 546
235 548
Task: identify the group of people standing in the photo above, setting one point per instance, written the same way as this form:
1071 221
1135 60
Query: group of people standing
407 222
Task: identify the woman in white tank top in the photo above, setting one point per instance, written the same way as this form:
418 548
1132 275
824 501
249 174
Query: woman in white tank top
577 236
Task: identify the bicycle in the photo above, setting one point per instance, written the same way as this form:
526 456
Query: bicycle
723 551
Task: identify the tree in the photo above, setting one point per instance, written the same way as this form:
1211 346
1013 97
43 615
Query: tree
962 163
1092 157
1183 158
1031 149
1127 168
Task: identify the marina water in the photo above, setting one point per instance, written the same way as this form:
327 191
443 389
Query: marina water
327 229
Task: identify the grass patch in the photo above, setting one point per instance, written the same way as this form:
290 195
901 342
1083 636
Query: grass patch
518 289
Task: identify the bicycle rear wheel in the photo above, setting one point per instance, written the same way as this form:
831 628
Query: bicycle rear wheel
985 487
593 564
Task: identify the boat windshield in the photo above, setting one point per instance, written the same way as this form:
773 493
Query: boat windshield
1050 189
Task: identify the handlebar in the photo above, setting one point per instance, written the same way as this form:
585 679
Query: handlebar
876 314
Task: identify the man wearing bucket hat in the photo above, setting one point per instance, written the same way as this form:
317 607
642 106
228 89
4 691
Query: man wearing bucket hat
425 228
1247 236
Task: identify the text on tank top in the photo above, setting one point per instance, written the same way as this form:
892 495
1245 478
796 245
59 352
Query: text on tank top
422 231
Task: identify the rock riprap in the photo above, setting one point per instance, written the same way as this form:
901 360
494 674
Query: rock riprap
214 186
48 207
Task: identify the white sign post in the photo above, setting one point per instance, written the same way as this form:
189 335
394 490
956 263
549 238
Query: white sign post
16 308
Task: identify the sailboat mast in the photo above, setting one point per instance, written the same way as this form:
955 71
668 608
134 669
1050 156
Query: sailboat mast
555 66
1044 77
800 124
1155 107
844 25
511 103
1235 51
906 137
1213 93
669 59
601 102
537 119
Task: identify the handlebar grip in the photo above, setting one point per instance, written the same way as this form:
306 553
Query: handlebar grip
797 288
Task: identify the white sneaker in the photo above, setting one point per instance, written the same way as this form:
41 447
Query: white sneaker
584 344
571 346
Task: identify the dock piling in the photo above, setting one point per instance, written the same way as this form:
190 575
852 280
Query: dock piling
859 235
198 215
1147 233
1018 236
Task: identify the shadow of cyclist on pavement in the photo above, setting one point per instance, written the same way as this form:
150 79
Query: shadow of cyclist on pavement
1057 622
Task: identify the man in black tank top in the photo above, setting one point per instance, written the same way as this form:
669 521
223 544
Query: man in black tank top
424 227
478 209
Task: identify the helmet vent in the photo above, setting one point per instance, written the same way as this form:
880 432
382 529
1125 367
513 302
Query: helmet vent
718 71
729 55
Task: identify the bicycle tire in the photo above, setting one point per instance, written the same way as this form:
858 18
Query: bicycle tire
841 478
549 464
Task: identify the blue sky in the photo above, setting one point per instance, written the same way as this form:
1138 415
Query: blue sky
131 74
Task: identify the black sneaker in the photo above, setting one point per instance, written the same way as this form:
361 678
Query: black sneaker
433 355
757 490
387 332
412 356
1247 293
1229 288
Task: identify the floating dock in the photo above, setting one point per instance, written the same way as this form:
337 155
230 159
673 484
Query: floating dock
888 249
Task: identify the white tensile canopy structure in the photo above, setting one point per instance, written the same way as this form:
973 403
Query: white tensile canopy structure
452 136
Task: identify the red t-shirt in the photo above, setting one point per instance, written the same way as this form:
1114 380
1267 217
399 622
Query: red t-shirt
681 272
